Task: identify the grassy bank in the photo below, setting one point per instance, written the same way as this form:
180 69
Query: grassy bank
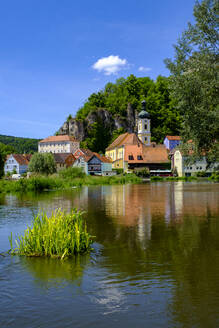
157 178
61 235
54 182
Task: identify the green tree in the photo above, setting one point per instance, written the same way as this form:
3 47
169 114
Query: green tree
20 145
98 137
194 80
1 165
4 151
42 163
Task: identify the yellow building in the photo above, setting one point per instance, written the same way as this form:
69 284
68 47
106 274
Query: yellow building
116 151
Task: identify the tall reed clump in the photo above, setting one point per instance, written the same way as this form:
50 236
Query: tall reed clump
61 235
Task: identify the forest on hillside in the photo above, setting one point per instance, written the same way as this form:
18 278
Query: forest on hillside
20 145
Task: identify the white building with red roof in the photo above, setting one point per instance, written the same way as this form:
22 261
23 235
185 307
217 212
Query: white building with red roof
58 144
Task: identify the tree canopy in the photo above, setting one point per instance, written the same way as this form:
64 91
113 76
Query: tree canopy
20 145
43 163
194 80
4 151
115 97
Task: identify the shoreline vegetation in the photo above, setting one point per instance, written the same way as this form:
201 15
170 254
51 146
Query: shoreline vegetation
61 235
40 183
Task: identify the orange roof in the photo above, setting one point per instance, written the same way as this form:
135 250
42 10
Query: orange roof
148 154
103 158
59 138
125 139
83 151
173 137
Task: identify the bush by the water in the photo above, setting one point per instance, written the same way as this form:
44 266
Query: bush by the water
60 235
72 173
143 173
215 176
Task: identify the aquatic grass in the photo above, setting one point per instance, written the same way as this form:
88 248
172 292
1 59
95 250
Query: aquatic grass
61 235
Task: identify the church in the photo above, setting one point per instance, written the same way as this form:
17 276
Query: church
135 150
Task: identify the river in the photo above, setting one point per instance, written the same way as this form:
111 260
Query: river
155 259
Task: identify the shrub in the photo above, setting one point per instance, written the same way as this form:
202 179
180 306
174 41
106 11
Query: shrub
201 174
157 178
72 173
42 163
118 171
60 235
215 176
143 173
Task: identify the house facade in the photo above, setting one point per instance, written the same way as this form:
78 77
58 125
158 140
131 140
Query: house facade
116 151
95 164
81 161
63 160
58 144
153 157
172 142
17 162
184 168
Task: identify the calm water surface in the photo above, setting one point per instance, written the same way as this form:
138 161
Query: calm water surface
155 261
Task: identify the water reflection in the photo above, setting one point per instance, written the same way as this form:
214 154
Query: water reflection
157 254
52 272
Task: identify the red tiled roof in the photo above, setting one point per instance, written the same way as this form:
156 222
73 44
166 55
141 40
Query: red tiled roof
103 158
148 154
86 152
58 138
173 137
22 159
61 157
125 139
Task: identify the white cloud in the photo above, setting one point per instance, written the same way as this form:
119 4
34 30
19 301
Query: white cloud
110 65
144 69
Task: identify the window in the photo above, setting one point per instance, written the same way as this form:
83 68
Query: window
190 167
145 126
131 157
139 157
200 167
145 138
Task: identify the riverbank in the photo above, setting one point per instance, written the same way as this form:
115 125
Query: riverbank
41 183
55 182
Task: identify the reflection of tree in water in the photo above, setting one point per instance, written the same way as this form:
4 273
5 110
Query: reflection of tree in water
50 271
183 254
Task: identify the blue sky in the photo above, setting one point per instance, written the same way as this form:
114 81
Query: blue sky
55 53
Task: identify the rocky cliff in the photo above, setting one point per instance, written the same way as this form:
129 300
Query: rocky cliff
80 128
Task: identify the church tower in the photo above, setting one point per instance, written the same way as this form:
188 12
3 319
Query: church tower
144 128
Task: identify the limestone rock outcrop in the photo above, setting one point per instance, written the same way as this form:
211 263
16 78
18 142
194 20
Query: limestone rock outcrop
80 128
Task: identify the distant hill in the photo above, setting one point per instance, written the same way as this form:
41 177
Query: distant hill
21 145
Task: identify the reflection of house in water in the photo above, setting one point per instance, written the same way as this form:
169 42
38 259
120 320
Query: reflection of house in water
138 205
